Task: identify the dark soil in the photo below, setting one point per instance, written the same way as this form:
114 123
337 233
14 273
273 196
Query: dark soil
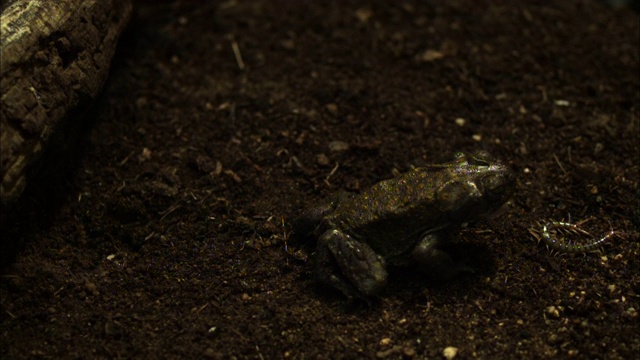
172 237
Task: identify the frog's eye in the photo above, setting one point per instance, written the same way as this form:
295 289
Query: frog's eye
448 160
482 158
497 185
491 182
493 186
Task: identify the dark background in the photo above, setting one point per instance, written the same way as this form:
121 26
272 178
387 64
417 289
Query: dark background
170 239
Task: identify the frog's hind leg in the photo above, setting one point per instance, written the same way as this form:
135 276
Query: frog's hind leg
435 263
349 265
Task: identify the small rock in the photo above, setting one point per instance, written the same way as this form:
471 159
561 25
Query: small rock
431 55
409 352
450 352
332 108
322 159
288 44
553 311
364 14
210 353
145 155
338 146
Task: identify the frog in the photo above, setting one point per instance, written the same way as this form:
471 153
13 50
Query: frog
403 221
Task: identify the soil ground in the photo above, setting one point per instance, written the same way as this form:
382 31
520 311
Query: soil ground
222 121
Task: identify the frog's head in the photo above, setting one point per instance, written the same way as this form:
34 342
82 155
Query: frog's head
479 186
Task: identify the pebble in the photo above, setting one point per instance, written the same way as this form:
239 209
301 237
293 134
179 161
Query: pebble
338 146
450 352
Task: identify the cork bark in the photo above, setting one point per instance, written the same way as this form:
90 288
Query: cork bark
54 59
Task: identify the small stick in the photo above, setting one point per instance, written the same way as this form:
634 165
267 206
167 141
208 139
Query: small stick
559 164
333 171
237 54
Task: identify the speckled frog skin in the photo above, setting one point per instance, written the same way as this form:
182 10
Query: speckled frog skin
401 221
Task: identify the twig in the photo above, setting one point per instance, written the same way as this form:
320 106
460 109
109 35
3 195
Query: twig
237 54
559 164
333 171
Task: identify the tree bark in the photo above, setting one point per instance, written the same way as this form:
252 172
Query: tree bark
54 59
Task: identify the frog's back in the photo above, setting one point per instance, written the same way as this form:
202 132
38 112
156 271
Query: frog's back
392 215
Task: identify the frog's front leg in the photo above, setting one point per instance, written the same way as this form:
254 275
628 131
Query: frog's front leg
349 265
434 262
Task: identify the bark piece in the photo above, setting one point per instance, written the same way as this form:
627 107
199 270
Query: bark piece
54 59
